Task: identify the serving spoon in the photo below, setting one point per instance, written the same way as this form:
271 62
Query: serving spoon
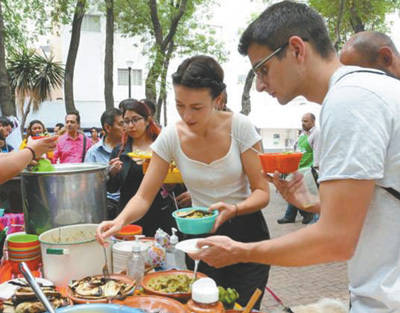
24 269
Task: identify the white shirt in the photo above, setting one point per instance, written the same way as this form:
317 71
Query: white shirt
221 180
360 139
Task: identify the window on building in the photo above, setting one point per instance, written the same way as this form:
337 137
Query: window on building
91 23
136 77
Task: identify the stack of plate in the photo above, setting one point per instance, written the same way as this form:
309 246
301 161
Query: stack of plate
122 251
24 248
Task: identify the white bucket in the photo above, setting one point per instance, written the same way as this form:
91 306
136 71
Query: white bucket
72 252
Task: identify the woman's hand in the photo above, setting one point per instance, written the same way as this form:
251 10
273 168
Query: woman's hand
226 212
115 166
107 229
184 200
43 145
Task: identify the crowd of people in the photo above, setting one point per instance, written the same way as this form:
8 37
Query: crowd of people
356 151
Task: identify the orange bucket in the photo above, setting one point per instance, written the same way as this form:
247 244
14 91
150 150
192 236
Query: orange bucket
284 163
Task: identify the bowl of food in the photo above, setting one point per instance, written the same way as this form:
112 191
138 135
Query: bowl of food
195 220
284 162
98 308
153 304
174 284
98 289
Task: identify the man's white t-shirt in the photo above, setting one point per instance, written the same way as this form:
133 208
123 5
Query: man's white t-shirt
360 139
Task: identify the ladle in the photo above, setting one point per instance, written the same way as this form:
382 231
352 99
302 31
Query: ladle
24 269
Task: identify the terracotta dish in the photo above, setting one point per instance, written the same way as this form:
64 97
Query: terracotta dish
178 295
151 303
80 299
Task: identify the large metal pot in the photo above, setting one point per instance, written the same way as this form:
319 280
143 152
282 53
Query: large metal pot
72 194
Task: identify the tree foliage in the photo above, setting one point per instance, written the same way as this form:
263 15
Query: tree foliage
356 16
165 29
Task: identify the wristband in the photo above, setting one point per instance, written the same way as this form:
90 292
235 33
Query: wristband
236 209
33 152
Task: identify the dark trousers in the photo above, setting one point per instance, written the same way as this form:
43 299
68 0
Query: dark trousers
291 212
112 209
244 277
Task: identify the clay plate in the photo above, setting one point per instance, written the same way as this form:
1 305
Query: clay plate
153 303
180 295
81 300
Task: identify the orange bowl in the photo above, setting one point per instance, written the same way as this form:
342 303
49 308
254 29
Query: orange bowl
38 137
179 295
128 232
153 303
33 264
284 163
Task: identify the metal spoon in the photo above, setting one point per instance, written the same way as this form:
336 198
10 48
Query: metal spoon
196 266
106 273
24 269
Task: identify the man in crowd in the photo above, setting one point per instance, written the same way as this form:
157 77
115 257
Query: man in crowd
291 54
113 125
72 146
58 128
372 49
5 131
307 143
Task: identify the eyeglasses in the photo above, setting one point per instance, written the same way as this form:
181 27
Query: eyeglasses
258 68
134 121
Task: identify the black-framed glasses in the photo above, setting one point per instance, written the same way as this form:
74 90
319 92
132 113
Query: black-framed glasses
258 69
133 121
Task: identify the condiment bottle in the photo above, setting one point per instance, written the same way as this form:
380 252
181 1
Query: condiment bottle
175 259
205 297
136 264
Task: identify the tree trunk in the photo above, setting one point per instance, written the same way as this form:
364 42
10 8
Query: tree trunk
162 98
109 58
152 76
24 116
6 104
338 41
72 53
355 20
246 103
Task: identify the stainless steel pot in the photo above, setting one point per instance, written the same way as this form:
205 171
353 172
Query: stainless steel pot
72 194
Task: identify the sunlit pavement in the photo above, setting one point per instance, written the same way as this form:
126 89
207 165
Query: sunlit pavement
301 285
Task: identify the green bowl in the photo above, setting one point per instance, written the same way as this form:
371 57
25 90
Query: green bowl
195 226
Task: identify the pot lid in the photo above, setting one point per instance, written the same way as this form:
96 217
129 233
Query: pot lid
68 168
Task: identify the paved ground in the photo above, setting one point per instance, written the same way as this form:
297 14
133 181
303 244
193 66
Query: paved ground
303 285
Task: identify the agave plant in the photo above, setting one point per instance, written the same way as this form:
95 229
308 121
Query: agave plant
33 77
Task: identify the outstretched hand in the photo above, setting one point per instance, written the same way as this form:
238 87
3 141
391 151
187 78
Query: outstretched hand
226 212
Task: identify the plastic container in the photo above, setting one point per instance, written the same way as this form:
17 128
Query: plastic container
76 255
205 297
284 163
195 226
307 193
23 241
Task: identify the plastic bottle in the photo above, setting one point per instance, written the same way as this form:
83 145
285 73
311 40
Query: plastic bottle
136 264
205 297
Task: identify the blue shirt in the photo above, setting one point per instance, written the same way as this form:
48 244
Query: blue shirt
100 153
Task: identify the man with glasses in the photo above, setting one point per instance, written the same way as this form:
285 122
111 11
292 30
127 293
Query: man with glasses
358 159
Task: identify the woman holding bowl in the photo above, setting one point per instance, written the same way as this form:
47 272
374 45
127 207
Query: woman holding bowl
213 151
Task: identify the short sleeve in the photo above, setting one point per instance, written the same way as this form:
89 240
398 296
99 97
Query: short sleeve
166 144
244 132
355 133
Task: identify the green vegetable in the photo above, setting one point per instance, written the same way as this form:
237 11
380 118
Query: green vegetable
228 296
44 165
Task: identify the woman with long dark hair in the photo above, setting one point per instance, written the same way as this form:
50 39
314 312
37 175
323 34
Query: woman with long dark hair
126 174
213 151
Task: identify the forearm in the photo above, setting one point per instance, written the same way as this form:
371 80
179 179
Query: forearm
308 246
134 210
13 163
256 201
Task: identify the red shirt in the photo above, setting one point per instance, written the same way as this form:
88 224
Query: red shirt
69 150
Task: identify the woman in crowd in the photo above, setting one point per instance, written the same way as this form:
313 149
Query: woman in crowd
213 150
35 128
126 174
94 135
